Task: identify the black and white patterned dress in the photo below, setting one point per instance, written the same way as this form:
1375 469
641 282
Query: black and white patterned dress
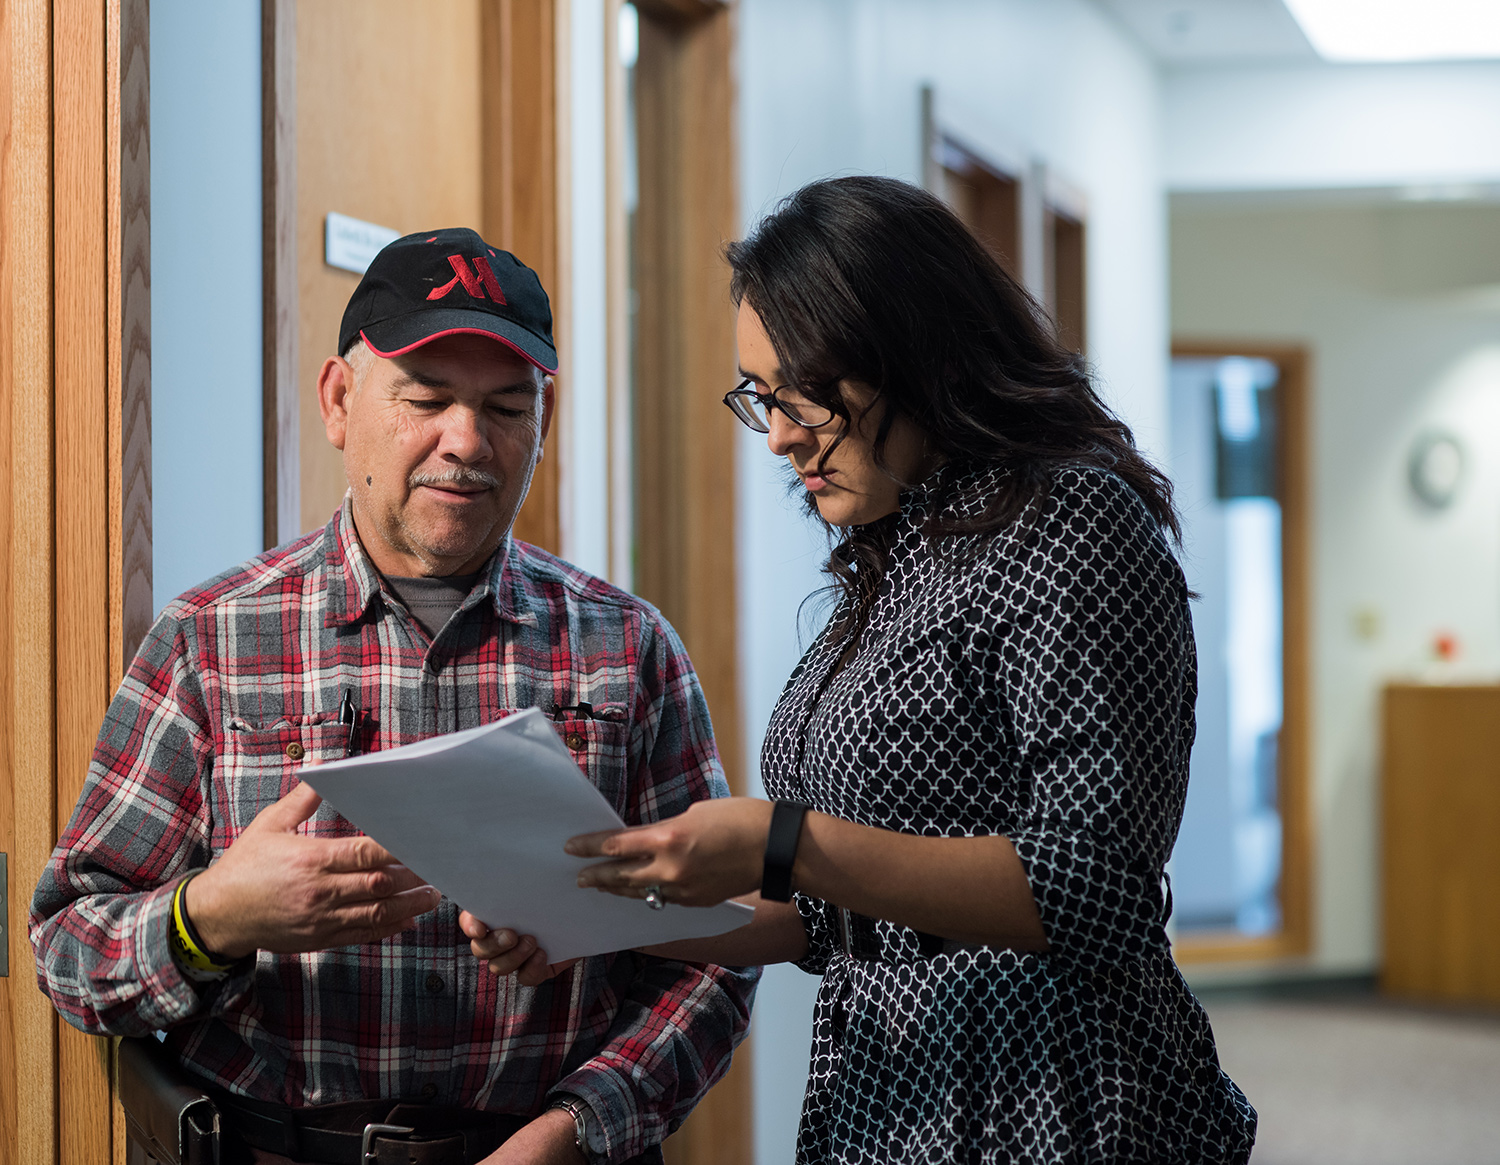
1036 683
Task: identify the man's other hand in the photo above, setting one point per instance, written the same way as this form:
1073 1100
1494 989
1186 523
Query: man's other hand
509 953
276 890
548 1140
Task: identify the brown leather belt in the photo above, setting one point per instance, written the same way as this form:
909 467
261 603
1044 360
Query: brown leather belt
368 1132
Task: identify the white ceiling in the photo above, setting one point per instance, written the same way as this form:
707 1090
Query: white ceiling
1191 32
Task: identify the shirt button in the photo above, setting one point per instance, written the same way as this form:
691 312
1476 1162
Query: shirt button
434 983
429 1092
295 751
575 741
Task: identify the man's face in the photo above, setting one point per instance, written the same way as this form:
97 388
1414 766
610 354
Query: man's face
439 447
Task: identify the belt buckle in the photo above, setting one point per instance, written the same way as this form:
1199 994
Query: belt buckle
366 1141
846 932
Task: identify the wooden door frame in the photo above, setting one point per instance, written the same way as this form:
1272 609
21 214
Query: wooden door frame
75 411
281 437
1044 196
1294 758
524 196
684 439
683 444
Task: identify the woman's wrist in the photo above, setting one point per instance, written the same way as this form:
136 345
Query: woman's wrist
775 935
783 835
970 889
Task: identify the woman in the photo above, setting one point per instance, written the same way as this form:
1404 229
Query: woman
992 732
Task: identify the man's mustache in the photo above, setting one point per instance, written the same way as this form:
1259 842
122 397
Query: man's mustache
456 478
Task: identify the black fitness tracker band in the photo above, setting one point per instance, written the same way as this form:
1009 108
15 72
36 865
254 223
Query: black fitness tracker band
781 851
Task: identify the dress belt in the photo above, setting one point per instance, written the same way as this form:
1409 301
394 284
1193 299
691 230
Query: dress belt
859 938
368 1132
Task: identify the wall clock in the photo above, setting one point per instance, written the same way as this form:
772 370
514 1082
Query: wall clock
1435 469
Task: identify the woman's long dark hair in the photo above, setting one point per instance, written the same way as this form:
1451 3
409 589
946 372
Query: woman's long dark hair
875 281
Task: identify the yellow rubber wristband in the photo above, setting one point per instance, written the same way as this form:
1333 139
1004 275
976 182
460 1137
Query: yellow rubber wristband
192 954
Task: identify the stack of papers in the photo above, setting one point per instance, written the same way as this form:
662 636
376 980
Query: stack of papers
483 815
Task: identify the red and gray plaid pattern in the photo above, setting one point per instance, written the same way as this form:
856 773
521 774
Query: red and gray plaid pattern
244 674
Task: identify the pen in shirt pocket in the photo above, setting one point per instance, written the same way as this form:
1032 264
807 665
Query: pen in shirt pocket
350 715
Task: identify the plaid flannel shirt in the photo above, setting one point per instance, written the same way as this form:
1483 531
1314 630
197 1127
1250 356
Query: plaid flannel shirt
250 668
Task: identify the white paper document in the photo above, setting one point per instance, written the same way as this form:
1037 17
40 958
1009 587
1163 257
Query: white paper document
483 814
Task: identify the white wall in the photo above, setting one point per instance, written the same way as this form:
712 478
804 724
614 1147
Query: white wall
1287 227
1314 126
832 86
205 290
1400 307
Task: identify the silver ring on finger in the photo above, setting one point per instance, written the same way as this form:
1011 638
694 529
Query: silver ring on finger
654 898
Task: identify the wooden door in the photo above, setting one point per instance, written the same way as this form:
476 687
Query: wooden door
1031 220
1067 292
985 198
75 504
410 115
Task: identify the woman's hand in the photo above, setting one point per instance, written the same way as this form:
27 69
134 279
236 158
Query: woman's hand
509 953
969 889
713 852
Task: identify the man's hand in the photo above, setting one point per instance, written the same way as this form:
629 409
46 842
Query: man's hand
548 1140
276 890
509 953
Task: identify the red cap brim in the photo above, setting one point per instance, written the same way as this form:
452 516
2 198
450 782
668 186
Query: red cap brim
425 340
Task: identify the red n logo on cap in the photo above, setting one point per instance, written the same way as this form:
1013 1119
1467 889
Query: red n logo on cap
475 284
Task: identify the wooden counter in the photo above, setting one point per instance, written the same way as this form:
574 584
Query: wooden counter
1440 842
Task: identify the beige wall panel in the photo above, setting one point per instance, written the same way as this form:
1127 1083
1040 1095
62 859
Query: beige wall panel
388 130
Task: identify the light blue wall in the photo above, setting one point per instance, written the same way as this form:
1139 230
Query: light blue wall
582 427
205 289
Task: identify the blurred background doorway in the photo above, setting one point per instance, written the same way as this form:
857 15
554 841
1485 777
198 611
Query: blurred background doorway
1238 873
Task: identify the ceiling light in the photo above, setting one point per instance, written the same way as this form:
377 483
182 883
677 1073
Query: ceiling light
1400 30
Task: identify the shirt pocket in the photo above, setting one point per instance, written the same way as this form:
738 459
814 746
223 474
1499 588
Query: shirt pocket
601 748
261 765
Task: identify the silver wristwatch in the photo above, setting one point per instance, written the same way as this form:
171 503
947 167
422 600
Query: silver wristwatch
581 1113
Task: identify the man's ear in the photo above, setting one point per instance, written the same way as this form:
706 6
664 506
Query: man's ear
549 406
335 384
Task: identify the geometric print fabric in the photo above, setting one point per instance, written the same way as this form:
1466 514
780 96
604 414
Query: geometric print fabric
1037 682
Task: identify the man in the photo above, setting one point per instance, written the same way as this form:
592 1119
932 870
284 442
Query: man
294 965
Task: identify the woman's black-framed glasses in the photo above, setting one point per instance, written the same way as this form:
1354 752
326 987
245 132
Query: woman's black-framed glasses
754 408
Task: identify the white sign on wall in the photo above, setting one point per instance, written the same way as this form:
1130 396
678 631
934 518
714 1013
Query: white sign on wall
350 243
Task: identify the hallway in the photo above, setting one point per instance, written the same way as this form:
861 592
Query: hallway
1348 1078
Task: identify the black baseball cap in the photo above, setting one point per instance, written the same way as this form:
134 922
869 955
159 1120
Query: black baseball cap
445 283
